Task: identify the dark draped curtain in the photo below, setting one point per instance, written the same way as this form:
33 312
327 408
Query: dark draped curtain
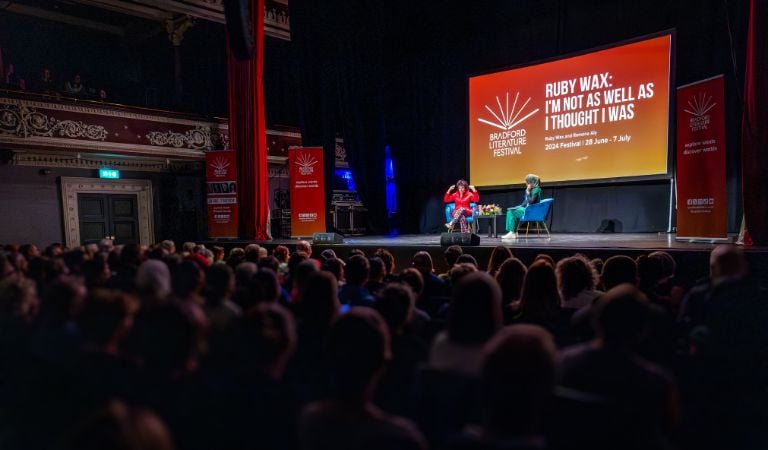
247 132
754 138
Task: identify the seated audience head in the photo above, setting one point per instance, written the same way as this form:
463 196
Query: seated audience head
414 279
243 274
597 264
218 254
650 271
620 315
619 269
18 299
574 275
173 340
667 263
543 256
518 379
318 305
388 258
458 271
153 280
356 251
499 254
475 310
188 247
252 253
269 262
294 260
281 252
539 300
328 253
727 261
510 278
304 246
187 279
356 270
268 339
303 272
264 286
451 253
466 258
132 255
336 267
395 303
377 271
169 246
63 301
96 271
106 245
29 251
119 426
105 319
422 261
219 284
358 349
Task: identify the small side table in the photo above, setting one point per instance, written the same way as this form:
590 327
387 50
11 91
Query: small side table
492 223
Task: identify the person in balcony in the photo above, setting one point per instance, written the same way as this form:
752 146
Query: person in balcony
74 87
515 213
461 195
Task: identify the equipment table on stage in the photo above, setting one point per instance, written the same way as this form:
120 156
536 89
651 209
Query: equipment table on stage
492 223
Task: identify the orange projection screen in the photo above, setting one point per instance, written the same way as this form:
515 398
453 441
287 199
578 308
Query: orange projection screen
601 115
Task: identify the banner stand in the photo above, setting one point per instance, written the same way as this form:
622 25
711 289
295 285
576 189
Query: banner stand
701 198
307 191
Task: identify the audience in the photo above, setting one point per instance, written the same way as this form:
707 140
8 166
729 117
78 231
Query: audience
130 347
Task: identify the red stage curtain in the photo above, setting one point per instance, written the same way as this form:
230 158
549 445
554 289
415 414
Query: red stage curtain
754 130
247 132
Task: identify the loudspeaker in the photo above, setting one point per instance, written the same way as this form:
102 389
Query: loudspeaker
465 239
327 238
240 28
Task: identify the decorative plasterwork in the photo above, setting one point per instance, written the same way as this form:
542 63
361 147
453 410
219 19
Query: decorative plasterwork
142 189
20 120
87 161
30 124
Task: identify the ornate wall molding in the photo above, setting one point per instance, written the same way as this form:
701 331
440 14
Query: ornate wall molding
30 124
94 162
142 189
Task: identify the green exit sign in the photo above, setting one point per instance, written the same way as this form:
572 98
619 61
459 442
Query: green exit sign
109 173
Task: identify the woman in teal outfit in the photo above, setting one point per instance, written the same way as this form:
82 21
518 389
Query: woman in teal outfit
532 195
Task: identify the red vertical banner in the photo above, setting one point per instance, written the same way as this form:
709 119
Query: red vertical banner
701 201
221 177
307 191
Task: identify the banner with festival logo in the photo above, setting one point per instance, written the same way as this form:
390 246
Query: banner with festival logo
701 200
307 191
221 177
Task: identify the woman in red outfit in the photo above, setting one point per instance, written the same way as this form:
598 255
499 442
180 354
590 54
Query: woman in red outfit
461 194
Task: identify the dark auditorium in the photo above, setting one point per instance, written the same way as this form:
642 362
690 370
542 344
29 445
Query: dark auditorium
383 225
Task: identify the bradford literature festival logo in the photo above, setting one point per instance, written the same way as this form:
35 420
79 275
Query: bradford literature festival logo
698 107
508 141
306 163
220 167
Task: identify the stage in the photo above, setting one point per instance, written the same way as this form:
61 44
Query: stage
692 257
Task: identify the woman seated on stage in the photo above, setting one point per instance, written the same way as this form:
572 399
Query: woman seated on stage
532 195
461 195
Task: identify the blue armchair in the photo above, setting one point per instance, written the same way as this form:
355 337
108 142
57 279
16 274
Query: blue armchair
538 214
449 207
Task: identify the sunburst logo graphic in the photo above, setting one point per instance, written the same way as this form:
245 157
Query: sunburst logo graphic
306 163
506 117
700 105
220 167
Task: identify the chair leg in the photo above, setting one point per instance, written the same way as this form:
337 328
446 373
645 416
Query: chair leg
547 230
527 227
